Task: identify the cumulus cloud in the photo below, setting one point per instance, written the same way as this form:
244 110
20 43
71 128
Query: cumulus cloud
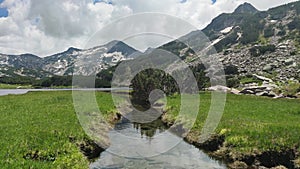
48 27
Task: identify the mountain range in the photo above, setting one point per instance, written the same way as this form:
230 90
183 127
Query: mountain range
62 64
266 43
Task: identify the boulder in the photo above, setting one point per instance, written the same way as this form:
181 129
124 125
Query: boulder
250 85
234 91
246 91
254 89
238 165
262 78
267 68
289 61
264 93
272 94
279 96
279 167
224 89
259 91
270 86
267 94
219 88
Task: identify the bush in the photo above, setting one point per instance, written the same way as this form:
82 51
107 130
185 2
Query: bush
290 89
202 80
261 50
231 70
250 79
281 33
268 32
233 82
295 24
57 81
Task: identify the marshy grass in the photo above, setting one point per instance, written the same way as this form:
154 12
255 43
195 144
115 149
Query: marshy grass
41 129
250 124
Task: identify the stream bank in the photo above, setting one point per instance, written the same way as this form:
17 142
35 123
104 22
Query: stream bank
217 148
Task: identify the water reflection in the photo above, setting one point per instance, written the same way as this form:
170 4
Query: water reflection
150 145
150 129
183 156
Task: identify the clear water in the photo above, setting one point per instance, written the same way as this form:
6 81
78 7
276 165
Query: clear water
150 146
4 92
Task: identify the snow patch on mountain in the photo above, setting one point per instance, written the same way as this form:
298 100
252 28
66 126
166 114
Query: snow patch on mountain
226 30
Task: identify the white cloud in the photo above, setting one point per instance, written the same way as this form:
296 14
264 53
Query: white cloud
47 27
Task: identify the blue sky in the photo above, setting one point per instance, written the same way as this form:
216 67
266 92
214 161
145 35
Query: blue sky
3 11
105 1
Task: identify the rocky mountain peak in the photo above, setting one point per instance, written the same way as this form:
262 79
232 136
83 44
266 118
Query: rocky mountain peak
245 8
72 49
119 46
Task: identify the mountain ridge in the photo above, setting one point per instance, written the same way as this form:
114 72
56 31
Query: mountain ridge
63 63
245 8
255 42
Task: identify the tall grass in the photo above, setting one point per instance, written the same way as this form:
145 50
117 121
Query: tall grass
41 130
251 123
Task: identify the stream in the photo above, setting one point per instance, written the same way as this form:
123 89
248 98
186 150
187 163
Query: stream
151 145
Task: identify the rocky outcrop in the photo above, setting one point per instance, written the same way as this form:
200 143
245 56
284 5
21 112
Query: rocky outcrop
273 52
266 89
219 88
279 64
224 89
259 91
253 90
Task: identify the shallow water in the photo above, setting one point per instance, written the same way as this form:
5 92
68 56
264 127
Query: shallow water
151 146
4 92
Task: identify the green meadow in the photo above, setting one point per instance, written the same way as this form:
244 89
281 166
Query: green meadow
41 129
251 124
14 86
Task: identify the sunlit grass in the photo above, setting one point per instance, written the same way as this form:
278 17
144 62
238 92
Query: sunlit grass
42 123
14 86
251 123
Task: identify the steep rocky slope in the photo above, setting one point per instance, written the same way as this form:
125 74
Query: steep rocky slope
255 42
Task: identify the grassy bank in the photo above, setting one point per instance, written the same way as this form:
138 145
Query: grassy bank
41 130
251 125
14 86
